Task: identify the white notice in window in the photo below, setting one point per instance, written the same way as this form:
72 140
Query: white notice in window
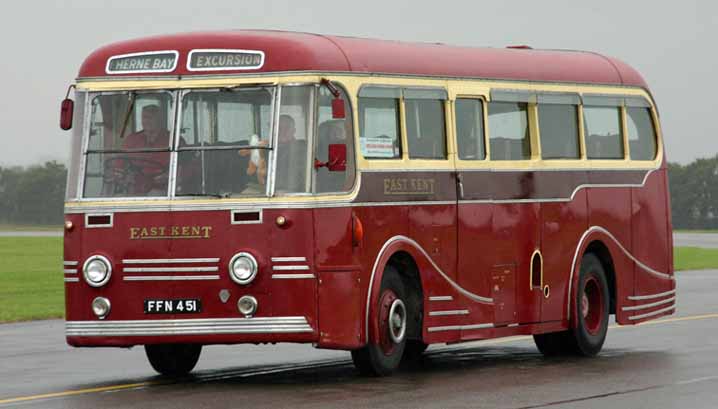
377 147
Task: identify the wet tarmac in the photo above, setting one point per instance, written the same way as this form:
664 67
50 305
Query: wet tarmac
671 363
707 240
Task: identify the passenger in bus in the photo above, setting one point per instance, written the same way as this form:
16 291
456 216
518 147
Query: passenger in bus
145 174
333 132
291 157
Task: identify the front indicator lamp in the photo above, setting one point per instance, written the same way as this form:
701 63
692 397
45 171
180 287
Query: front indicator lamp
101 307
247 305
97 271
243 268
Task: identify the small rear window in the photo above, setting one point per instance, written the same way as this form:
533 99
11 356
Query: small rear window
641 134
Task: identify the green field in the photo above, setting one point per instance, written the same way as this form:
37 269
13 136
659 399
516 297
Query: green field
30 227
31 285
695 258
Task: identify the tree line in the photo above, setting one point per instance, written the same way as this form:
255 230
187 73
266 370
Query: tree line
35 194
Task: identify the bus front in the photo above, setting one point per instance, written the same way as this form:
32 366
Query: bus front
190 213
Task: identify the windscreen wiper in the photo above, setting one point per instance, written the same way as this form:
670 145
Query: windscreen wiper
221 195
130 107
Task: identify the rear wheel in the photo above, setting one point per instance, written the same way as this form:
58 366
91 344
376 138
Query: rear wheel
592 303
173 359
382 356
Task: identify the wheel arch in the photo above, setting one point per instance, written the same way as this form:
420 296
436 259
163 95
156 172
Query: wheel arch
399 252
411 278
599 249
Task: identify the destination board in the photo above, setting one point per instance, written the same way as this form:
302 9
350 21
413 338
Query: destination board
155 61
224 60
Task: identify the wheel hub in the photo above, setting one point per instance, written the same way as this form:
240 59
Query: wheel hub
392 321
592 305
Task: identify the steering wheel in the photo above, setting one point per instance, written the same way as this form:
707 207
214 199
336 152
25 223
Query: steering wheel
121 171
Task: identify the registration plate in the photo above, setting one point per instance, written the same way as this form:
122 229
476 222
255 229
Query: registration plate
173 306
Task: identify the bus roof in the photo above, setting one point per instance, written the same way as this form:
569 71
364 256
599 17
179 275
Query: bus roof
297 52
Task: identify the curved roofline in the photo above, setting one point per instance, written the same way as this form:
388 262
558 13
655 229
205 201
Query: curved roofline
307 52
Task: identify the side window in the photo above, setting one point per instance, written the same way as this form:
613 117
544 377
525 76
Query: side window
470 129
294 128
509 131
332 131
558 127
641 134
602 127
379 135
425 128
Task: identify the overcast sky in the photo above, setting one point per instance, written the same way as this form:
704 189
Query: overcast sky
673 44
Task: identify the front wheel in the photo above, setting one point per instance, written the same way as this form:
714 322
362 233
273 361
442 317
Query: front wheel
382 356
173 359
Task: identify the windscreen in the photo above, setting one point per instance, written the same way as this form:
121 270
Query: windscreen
224 142
128 147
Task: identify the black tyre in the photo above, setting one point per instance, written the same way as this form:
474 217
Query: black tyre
173 359
592 305
413 351
556 343
382 356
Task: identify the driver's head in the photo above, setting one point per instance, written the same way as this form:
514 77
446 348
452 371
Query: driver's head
287 129
151 118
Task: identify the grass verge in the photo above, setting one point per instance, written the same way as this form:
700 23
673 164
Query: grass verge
30 227
31 279
695 258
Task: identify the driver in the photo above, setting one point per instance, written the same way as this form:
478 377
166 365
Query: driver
146 173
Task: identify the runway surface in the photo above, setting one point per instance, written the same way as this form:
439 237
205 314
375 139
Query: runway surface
708 240
672 363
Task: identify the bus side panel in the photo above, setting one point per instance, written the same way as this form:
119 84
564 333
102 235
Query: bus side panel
339 303
380 223
650 241
610 209
563 225
516 231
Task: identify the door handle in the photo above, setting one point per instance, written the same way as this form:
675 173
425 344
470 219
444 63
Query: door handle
460 185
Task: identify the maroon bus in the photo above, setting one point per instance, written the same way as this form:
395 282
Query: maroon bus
365 195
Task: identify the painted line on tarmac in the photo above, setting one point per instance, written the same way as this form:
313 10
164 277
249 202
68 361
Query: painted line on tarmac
77 392
289 367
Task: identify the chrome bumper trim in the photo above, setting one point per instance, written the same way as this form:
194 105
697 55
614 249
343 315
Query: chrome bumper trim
291 276
448 312
169 269
651 314
653 304
268 325
288 259
289 268
170 260
650 296
460 327
172 278
441 298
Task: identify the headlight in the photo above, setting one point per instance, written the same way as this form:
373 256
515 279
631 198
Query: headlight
243 268
97 271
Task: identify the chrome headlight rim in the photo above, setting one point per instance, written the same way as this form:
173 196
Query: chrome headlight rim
254 268
105 280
